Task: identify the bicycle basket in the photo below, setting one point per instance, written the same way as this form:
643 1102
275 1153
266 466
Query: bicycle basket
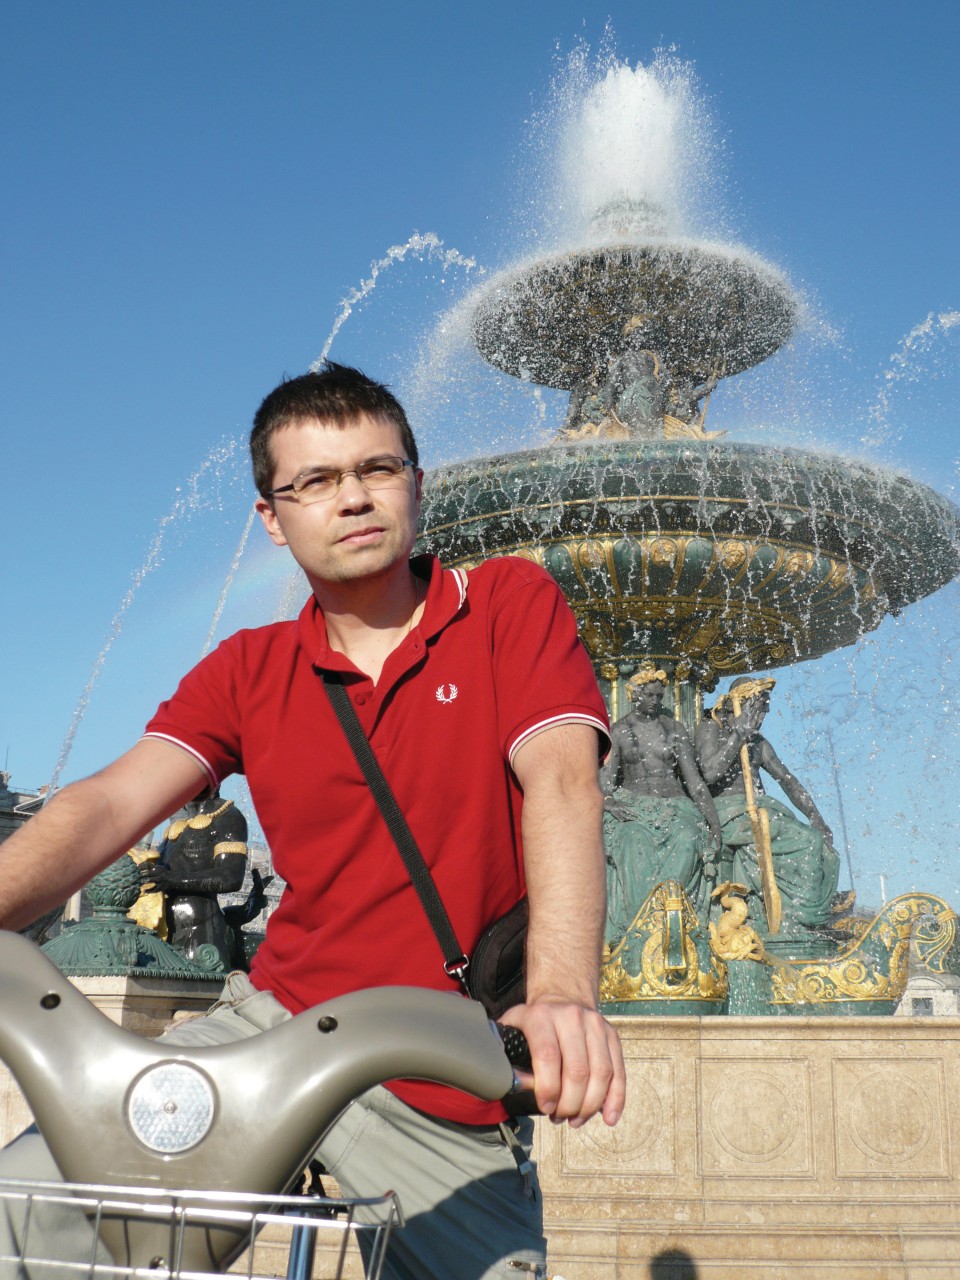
177 1235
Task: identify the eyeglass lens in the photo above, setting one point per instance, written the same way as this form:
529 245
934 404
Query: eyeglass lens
323 482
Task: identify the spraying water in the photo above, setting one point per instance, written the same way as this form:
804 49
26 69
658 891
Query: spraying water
228 583
612 134
191 498
421 246
908 363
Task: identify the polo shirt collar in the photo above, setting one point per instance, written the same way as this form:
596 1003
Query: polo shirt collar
446 596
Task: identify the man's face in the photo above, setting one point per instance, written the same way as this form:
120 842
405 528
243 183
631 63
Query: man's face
648 698
358 533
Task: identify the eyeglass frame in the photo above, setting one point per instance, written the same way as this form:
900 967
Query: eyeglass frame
341 475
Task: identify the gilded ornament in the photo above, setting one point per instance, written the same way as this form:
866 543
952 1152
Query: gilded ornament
199 822
874 966
799 563
593 554
659 978
731 938
664 552
733 555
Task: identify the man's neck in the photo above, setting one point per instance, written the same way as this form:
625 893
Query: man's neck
367 619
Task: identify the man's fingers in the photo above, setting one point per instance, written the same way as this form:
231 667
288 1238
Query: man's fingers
577 1062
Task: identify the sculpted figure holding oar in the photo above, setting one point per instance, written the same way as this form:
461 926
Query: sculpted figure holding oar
793 868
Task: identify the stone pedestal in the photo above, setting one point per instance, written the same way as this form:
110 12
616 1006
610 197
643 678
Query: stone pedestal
775 1148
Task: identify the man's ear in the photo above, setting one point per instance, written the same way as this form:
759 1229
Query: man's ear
265 511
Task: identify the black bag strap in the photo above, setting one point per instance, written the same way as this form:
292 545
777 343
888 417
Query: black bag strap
455 962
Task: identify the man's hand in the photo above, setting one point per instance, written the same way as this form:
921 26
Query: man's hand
578 1068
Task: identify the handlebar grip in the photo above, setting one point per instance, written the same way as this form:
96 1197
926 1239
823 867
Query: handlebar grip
519 1102
515 1046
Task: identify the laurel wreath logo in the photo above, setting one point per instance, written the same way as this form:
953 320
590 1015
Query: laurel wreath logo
444 696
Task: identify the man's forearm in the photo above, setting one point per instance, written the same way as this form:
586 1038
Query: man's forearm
577 1062
89 824
566 885
55 853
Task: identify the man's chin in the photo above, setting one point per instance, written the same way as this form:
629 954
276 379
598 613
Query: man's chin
362 564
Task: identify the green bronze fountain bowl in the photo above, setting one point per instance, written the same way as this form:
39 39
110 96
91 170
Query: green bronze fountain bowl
707 310
721 558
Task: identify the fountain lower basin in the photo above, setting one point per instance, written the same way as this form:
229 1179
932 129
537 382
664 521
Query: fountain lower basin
722 558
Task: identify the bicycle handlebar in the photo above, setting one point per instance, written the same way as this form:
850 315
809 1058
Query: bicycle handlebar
196 1117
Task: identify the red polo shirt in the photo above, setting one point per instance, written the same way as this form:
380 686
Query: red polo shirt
494 660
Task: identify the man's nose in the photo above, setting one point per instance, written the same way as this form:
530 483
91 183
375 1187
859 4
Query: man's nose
352 493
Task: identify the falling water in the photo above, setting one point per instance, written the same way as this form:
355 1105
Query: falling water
429 246
188 499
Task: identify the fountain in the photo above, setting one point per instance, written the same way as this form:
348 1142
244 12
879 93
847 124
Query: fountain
679 546
808 1144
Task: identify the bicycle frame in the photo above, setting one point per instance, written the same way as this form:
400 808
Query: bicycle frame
244 1117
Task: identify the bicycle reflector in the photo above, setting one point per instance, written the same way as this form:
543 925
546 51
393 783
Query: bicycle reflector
171 1107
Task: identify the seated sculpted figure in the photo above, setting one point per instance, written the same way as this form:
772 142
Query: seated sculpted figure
806 866
654 830
635 393
203 854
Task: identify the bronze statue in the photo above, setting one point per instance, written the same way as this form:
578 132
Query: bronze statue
757 828
636 396
660 822
204 854
637 390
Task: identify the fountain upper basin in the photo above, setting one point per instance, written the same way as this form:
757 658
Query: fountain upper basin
708 310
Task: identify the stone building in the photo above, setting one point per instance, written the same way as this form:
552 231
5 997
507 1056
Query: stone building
16 806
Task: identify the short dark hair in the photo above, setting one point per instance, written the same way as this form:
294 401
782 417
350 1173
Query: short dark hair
335 393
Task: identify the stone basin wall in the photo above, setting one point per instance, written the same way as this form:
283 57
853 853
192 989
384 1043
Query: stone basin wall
767 1149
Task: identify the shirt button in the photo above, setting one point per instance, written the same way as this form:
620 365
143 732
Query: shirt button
359 699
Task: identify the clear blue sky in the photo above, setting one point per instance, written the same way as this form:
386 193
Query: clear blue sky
190 189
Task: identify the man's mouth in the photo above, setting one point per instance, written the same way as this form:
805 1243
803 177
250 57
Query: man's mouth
357 537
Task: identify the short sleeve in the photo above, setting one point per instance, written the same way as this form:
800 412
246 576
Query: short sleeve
202 716
542 674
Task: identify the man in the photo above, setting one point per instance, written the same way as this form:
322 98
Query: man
654 830
806 865
482 709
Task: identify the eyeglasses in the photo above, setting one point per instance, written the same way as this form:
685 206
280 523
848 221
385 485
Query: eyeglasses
322 483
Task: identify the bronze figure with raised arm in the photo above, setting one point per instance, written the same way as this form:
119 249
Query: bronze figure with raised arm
805 865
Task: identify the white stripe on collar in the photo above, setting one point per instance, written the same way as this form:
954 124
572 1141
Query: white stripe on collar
461 577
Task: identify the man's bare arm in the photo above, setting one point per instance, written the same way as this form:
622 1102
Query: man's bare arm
577 1062
610 770
88 824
